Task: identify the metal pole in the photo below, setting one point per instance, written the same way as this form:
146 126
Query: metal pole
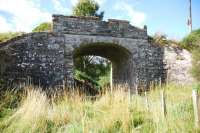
190 15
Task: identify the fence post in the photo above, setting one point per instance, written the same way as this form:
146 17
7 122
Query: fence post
160 82
195 98
136 88
163 103
64 83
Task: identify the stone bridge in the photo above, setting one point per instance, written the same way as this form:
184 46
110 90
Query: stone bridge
47 57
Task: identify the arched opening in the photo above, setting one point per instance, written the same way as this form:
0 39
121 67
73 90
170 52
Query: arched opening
117 58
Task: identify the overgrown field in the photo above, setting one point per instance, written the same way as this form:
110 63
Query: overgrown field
32 111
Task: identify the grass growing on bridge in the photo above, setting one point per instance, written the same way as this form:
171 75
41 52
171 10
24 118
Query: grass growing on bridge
109 113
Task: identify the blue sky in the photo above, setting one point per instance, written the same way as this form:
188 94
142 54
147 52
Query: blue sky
161 16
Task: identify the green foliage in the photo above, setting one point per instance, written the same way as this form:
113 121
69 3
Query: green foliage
43 27
196 64
9 35
109 113
84 63
192 41
9 100
87 8
197 87
84 77
104 80
94 69
97 69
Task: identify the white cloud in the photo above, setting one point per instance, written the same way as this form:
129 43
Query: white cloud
74 2
4 26
100 2
25 14
136 17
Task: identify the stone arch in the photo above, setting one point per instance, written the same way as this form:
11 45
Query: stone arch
48 57
119 56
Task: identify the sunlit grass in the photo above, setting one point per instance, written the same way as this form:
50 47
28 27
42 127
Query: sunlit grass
111 112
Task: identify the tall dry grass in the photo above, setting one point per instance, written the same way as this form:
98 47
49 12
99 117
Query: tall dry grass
110 113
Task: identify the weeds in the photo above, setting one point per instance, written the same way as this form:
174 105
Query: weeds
35 112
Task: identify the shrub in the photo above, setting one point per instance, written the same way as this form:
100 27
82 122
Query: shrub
196 64
191 41
43 27
84 77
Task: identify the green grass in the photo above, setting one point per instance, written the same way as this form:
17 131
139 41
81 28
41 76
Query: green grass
9 35
110 113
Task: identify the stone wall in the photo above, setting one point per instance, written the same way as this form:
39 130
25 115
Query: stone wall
47 58
178 64
37 55
94 26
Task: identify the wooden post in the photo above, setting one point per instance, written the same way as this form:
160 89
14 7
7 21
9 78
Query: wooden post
136 88
64 83
160 82
163 103
195 98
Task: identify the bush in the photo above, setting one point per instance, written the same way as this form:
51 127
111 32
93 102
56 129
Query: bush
97 69
192 41
84 77
104 81
43 27
196 64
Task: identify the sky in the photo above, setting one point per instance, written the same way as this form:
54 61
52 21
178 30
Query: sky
167 17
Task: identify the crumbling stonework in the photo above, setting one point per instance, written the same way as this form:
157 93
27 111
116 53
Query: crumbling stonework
47 58
178 64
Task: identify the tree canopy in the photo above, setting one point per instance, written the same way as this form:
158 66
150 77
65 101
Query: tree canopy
85 64
87 8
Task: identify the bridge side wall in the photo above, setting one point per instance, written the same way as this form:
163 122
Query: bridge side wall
37 56
47 59
94 26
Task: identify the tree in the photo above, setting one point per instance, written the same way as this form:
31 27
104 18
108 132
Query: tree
87 8
94 67
46 26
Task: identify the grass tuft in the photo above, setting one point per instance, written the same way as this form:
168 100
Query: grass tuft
112 112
